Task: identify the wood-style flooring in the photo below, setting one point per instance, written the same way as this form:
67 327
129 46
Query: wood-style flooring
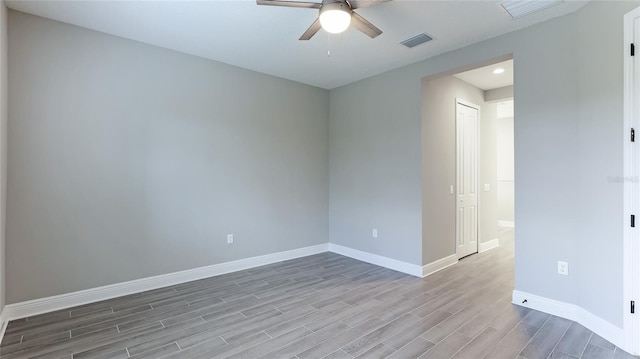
322 306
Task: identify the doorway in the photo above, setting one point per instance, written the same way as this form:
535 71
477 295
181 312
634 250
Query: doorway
495 157
467 208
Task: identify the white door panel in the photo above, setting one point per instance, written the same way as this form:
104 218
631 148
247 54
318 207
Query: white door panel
467 120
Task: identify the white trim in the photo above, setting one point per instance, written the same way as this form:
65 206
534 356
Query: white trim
575 313
49 304
508 224
631 193
485 246
400 266
439 265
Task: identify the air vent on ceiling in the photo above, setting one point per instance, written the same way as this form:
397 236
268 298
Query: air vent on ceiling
520 8
416 40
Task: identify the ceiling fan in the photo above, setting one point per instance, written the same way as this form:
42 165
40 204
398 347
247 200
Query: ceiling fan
335 15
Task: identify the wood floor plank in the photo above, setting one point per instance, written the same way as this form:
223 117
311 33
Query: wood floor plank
509 319
158 351
339 354
556 354
365 307
377 352
305 319
335 343
413 350
306 342
271 345
601 342
621 354
481 321
594 352
447 326
370 340
535 318
447 347
402 338
158 337
545 340
512 344
480 345
406 306
204 346
575 340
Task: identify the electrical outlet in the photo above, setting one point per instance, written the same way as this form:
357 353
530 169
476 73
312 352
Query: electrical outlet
229 238
563 268
374 233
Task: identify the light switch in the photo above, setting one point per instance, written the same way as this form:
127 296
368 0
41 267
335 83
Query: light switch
487 187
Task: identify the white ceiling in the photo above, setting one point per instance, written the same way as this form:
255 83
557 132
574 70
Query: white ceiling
485 79
265 38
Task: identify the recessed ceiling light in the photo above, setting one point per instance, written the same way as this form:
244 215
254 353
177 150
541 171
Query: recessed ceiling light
498 71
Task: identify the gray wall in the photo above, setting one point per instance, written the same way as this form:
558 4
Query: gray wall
439 152
568 128
498 94
374 170
488 174
3 148
600 218
505 167
127 161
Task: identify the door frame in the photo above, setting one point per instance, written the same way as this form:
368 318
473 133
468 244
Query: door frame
478 221
631 191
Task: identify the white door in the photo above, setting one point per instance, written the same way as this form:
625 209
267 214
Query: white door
635 245
631 246
467 118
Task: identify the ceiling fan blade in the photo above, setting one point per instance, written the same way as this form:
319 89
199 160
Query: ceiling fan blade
358 4
303 4
365 26
312 30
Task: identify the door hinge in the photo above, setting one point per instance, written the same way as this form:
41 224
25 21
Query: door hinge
633 135
633 49
633 307
633 220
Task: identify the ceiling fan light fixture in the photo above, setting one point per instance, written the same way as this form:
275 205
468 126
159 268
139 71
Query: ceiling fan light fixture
335 17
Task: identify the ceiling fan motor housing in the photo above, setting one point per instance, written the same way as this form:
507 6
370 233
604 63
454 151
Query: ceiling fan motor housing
329 5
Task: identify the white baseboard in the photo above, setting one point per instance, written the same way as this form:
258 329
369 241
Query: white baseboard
509 224
400 266
49 304
439 265
485 246
576 313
